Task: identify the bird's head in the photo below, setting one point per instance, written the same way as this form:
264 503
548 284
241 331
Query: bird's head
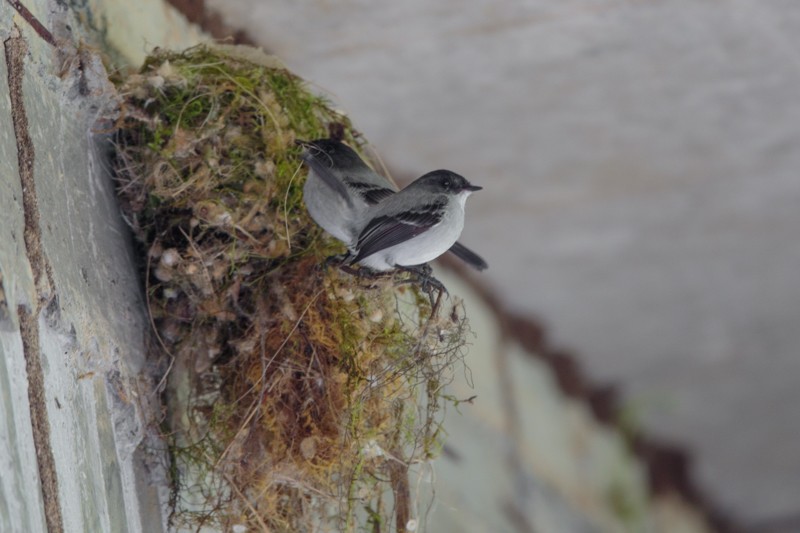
332 153
445 181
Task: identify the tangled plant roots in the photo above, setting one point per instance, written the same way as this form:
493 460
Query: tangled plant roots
298 396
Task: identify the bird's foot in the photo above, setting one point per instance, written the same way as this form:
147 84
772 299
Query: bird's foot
428 283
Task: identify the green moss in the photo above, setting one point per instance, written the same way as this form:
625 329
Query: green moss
295 371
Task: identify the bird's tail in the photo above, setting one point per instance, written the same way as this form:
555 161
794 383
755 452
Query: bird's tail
468 256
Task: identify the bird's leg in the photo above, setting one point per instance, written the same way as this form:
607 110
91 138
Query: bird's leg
424 274
428 283
425 270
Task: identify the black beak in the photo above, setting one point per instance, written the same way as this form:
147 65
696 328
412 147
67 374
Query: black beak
472 188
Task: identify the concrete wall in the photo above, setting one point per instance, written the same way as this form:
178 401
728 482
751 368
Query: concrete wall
74 406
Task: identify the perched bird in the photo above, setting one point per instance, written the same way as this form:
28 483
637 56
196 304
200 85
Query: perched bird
341 188
415 225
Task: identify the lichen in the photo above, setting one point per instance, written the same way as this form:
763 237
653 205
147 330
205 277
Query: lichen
297 394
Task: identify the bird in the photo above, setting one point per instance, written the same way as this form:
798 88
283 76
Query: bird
415 225
341 188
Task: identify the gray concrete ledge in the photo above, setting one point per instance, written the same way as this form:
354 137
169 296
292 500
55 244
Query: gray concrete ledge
75 398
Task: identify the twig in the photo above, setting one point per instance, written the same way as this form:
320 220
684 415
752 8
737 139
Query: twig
253 510
254 408
296 324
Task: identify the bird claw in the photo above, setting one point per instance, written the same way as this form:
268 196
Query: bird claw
423 274
428 283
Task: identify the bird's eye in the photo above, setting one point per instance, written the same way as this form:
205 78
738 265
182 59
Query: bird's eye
446 183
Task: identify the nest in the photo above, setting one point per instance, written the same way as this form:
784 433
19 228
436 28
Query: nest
298 397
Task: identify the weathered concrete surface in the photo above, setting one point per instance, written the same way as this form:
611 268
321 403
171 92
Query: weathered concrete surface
21 507
129 30
75 400
524 457
640 167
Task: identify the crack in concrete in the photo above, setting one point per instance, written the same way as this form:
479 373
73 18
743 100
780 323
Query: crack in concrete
15 50
3 301
37 26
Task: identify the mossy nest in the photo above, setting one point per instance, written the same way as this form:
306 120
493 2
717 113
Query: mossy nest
298 396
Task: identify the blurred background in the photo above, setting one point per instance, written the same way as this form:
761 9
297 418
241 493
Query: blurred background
641 192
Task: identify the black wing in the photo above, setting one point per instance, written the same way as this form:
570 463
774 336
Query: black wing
386 231
372 194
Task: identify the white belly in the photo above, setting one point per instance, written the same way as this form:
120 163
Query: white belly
422 248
